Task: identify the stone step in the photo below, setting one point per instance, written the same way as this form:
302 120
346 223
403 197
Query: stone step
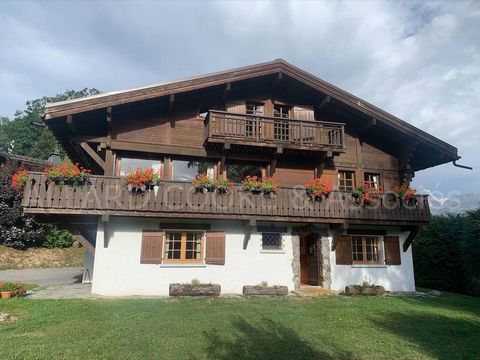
314 290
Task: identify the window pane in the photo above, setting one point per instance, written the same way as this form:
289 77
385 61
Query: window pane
187 170
346 180
371 244
193 246
173 245
372 180
130 164
238 172
271 241
357 254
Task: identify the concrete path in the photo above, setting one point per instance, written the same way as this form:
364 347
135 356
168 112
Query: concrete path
44 277
54 283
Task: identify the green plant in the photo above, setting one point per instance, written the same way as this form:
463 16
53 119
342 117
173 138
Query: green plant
67 173
57 238
8 287
204 182
224 185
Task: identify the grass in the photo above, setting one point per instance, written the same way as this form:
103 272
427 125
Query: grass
334 327
40 258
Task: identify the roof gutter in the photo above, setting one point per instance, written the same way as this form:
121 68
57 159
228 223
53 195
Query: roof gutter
454 162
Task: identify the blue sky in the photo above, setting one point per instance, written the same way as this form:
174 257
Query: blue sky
418 60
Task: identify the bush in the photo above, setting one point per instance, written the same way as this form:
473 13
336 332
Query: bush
57 238
17 230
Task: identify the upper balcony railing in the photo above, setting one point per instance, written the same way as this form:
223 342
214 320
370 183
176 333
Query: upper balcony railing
254 130
109 195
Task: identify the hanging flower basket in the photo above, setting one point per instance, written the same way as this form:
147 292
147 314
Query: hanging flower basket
68 174
406 195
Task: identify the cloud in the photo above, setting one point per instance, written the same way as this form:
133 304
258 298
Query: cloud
418 60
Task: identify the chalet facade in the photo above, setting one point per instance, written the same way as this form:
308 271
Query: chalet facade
266 120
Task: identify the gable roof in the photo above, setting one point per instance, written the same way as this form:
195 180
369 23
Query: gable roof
109 99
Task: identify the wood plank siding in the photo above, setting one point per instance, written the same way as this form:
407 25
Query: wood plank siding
109 196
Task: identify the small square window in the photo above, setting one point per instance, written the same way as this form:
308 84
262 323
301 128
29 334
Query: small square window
271 241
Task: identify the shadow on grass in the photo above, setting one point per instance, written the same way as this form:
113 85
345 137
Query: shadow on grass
264 340
443 337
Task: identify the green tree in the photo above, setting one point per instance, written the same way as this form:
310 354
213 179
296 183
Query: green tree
24 135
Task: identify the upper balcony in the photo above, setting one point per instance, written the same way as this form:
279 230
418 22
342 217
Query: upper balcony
109 196
253 130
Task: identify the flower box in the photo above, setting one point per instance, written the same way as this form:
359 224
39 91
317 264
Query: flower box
194 289
142 180
318 189
67 174
256 186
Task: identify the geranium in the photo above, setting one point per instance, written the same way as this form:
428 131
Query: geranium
318 187
203 181
269 185
224 185
251 183
367 193
404 192
19 180
140 180
67 172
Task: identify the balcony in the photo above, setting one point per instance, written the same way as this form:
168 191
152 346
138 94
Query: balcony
109 196
242 129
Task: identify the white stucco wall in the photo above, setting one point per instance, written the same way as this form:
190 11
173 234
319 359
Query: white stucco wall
118 270
391 277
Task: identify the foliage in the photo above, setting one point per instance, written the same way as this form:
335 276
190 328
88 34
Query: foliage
16 229
203 181
57 238
25 135
404 192
244 329
16 288
255 184
141 180
224 185
19 180
446 253
318 187
366 193
67 173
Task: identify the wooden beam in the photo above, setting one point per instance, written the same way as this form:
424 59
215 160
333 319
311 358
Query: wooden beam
88 149
277 80
226 92
82 239
411 236
171 102
248 226
273 165
71 124
326 100
94 139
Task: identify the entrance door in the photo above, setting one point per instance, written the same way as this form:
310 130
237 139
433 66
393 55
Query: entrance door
310 264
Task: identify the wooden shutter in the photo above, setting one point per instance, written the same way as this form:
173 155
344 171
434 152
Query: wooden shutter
392 250
343 251
152 247
215 247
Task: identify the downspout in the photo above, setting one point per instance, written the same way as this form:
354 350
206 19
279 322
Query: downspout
454 162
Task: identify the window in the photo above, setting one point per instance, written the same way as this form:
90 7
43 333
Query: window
237 172
271 241
253 127
366 250
131 164
281 129
346 180
183 246
187 170
372 180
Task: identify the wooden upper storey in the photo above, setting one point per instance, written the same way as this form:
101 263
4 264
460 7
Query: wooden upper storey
275 115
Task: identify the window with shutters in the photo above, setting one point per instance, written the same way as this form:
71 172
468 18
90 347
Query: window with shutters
366 250
183 246
271 241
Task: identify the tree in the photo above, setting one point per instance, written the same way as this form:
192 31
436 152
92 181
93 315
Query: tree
24 135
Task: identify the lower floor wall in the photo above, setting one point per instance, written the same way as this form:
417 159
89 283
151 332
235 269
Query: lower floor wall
391 277
118 271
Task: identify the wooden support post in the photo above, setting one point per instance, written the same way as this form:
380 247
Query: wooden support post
411 236
277 80
273 165
88 149
248 226
106 235
71 124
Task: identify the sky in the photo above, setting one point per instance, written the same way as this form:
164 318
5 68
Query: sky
415 59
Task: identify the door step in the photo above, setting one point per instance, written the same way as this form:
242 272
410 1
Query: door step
313 290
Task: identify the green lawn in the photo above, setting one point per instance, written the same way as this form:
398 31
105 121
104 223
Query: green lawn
335 327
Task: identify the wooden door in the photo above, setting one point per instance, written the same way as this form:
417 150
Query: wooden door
313 260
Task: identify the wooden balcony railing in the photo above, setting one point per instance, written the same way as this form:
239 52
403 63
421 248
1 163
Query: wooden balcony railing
109 195
255 130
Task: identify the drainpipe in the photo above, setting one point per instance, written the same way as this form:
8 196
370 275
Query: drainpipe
454 162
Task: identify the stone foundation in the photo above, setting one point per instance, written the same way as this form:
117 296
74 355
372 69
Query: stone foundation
326 269
296 262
